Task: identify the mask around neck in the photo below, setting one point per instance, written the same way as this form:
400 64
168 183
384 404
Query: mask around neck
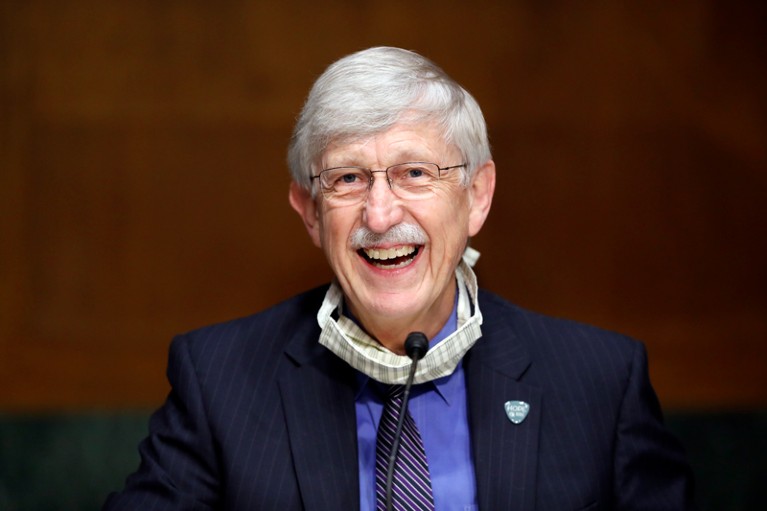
353 345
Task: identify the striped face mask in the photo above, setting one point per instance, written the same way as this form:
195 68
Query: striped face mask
350 343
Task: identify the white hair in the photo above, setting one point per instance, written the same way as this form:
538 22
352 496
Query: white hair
368 92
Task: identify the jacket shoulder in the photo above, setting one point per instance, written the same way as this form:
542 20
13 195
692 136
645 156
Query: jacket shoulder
530 326
266 332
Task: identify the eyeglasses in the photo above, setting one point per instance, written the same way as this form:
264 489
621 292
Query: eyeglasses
410 181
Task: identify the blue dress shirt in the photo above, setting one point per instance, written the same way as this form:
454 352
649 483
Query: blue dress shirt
439 410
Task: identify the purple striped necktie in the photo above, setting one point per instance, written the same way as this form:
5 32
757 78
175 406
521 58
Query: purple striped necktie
411 488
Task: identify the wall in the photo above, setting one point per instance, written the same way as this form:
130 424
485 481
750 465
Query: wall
143 185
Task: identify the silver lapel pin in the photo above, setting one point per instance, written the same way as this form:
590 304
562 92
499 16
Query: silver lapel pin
516 411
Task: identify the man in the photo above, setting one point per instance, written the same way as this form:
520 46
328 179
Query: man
289 409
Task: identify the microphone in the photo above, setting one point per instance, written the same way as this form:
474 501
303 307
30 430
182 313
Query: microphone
416 346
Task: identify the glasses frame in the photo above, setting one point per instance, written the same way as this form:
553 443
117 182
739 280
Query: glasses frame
373 172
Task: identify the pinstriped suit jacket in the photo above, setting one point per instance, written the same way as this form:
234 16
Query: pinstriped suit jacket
261 417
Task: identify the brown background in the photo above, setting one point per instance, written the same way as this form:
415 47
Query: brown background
143 185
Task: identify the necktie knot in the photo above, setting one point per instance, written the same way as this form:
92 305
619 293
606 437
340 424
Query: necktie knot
395 392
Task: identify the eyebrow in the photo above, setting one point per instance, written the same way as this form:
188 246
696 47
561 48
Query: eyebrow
403 157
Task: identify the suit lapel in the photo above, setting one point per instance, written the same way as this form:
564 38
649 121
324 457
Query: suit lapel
318 397
505 454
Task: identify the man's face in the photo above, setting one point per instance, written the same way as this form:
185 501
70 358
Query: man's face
391 280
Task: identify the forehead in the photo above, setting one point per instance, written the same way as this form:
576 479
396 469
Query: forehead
402 142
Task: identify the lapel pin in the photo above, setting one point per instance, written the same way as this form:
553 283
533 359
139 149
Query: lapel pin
516 411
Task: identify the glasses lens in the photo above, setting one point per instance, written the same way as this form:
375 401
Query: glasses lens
414 180
344 184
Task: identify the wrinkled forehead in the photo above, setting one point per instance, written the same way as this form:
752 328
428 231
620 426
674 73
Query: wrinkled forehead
402 142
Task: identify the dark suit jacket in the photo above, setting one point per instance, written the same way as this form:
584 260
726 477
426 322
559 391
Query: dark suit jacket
261 417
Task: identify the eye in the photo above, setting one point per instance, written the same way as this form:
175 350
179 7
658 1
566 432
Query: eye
416 172
348 179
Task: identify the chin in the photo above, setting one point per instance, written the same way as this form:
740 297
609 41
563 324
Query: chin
394 307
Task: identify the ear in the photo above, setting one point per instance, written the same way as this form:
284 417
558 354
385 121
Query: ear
302 201
481 192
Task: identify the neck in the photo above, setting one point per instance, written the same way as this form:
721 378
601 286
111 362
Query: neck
391 332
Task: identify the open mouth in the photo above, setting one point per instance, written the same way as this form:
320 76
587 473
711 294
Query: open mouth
390 258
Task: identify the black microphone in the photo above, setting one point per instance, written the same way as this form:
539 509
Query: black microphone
416 346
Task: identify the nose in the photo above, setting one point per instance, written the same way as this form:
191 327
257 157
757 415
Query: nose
382 209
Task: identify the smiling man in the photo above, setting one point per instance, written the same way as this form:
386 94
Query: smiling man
297 407
394 236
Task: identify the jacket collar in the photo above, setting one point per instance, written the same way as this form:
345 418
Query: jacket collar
505 454
317 389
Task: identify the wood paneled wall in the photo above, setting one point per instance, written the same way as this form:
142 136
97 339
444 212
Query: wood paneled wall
143 185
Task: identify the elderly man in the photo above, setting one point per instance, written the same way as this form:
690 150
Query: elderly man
295 408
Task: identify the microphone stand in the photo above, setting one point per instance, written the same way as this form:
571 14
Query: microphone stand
416 346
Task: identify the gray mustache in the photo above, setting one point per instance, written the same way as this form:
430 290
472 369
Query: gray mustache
400 234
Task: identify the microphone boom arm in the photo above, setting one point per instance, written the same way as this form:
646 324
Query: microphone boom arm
416 346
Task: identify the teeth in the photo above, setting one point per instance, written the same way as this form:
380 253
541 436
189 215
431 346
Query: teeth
389 253
391 266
